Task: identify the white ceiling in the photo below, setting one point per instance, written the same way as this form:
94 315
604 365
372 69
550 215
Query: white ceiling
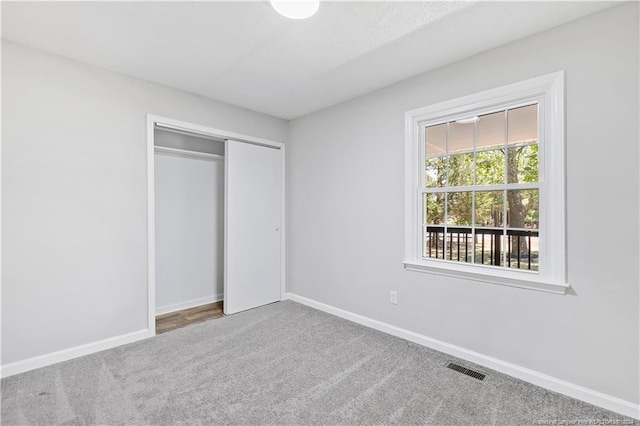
245 54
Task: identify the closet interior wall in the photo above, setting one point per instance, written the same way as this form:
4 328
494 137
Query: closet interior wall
189 220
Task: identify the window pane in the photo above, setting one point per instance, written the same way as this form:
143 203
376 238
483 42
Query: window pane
523 124
523 250
459 208
522 155
435 140
460 137
522 164
435 172
461 170
488 246
522 209
490 131
435 149
433 209
433 246
490 167
489 208
459 244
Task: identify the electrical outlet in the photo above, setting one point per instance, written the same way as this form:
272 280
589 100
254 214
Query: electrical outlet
393 297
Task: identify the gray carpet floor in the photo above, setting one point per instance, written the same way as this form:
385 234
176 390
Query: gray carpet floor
283 363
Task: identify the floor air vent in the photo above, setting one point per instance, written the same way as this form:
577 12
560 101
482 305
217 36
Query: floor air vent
471 373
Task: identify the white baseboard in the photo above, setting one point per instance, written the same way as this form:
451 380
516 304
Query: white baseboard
188 304
70 353
575 391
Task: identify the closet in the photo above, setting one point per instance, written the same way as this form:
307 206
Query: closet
217 221
189 207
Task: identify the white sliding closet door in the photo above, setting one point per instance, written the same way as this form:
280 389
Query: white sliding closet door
253 226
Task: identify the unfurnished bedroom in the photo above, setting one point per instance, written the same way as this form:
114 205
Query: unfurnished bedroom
320 212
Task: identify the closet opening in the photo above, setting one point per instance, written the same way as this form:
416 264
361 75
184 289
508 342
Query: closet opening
216 234
189 228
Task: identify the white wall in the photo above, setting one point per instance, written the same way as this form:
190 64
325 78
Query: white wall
189 222
346 199
74 196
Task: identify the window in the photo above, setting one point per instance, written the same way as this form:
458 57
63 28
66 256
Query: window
485 186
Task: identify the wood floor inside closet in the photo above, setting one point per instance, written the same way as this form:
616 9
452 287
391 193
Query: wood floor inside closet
179 319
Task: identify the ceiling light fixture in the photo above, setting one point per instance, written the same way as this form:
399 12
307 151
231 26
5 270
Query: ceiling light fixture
296 9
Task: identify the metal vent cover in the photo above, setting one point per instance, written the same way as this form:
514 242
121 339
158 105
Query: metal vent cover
470 373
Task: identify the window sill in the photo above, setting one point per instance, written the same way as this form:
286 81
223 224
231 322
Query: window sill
510 281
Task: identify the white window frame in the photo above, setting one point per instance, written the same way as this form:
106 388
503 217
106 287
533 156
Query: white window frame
548 92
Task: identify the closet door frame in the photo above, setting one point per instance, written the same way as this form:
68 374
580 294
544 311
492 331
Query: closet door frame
154 121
